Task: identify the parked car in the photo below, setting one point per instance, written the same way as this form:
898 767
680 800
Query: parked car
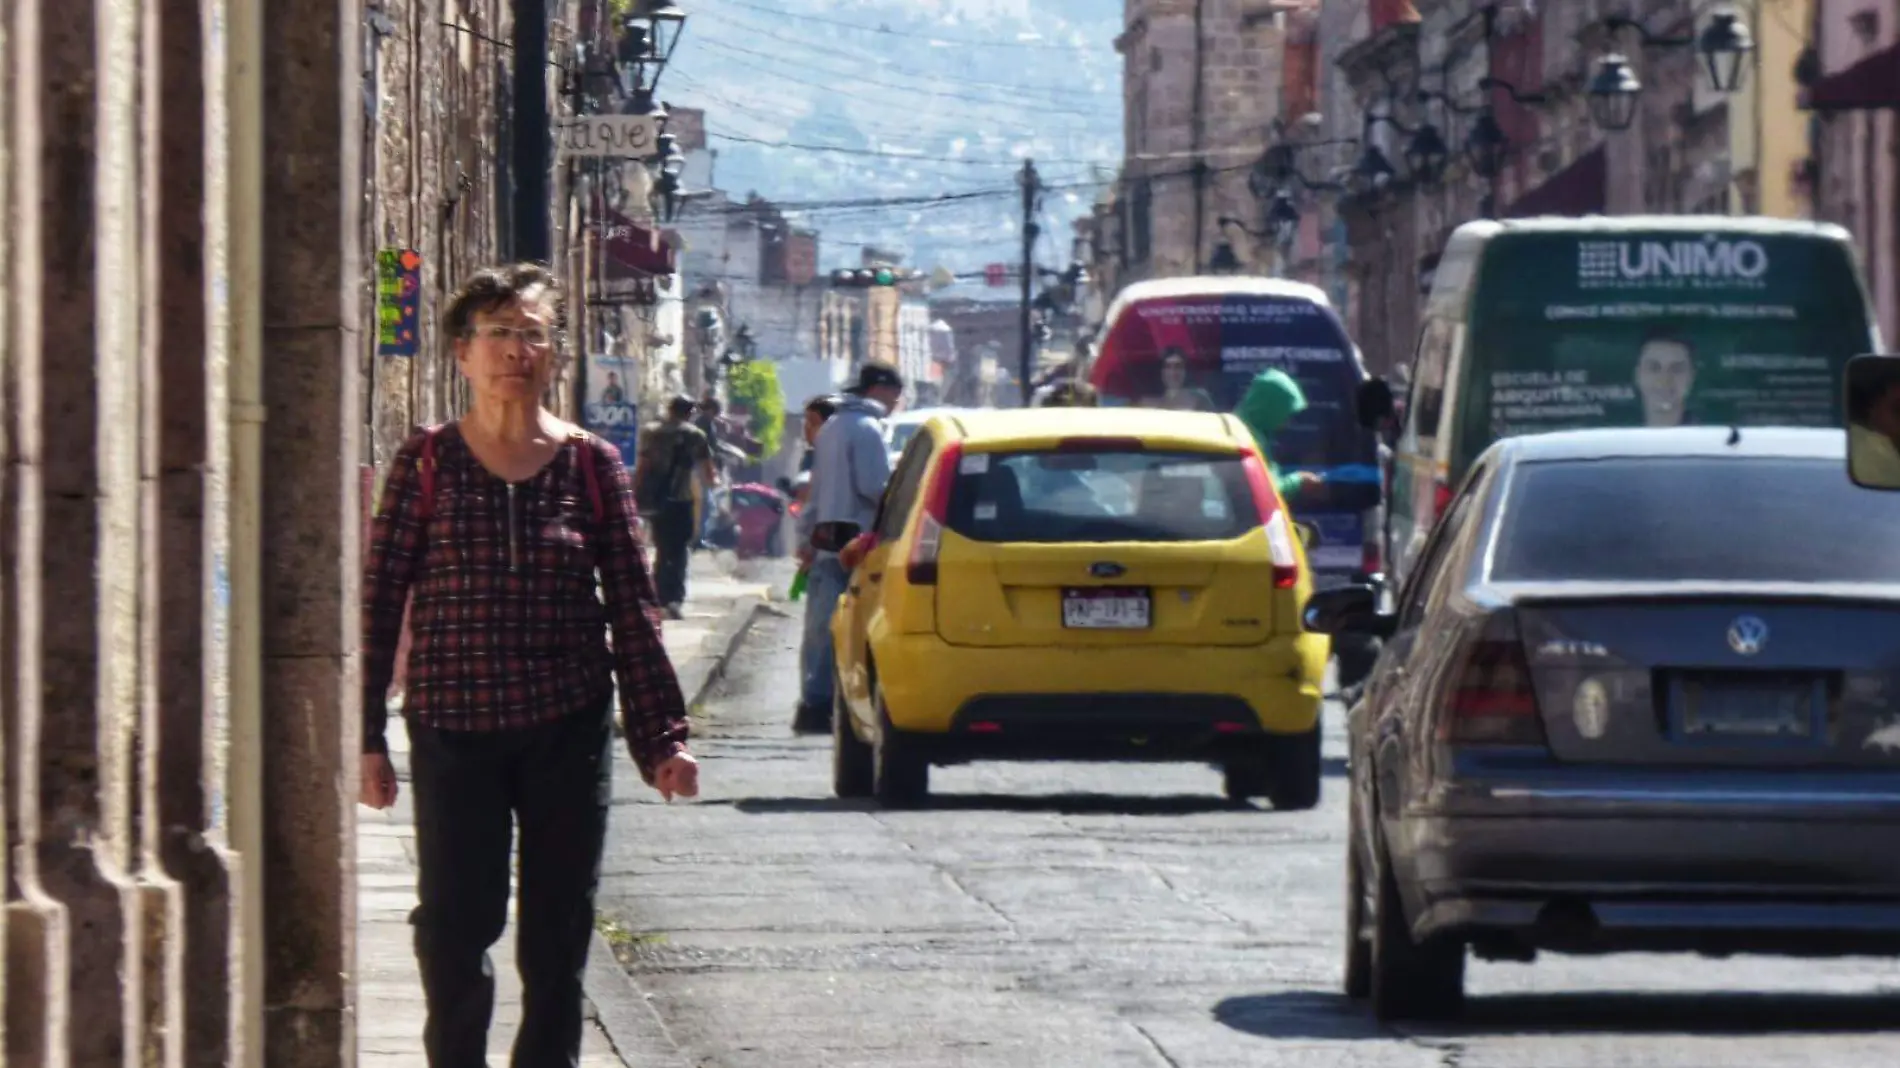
1078 583
902 425
1638 695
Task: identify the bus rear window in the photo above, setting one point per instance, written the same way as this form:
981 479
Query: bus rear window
1066 497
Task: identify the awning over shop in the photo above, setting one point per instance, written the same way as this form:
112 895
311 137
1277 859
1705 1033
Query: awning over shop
1579 189
1870 85
634 251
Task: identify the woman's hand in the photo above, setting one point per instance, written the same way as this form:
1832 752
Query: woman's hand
678 776
378 787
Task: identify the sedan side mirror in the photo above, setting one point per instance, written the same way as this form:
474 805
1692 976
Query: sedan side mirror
1374 403
1309 535
1873 421
1352 609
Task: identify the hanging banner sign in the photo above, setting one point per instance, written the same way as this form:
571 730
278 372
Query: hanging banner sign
611 410
398 301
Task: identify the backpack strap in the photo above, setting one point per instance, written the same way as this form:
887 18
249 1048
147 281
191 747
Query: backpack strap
426 468
591 475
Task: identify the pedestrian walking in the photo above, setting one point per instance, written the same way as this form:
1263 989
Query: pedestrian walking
673 452
494 528
707 420
818 411
850 466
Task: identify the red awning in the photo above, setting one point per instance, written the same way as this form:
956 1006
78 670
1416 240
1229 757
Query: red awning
633 251
1579 189
1870 85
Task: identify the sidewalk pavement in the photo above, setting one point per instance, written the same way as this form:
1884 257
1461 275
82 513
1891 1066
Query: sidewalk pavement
720 605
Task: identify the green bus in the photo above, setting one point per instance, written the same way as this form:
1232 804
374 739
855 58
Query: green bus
1544 324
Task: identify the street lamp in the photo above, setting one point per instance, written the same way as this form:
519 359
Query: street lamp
1613 93
672 165
1486 144
1725 46
648 37
1283 219
1372 173
1426 154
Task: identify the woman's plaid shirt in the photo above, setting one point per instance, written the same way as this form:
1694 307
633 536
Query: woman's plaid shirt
508 628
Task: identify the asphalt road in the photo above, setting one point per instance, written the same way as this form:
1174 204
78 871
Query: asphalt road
1105 916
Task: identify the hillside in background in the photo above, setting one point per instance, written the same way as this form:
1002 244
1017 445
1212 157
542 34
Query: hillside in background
820 101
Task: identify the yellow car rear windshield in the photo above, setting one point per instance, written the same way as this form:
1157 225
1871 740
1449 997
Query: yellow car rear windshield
1101 495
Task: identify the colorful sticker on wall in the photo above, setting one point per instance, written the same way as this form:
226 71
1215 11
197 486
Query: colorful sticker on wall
398 301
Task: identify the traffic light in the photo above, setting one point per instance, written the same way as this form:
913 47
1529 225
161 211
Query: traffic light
869 277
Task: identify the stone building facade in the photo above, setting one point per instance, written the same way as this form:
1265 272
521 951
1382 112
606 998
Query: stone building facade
193 194
1854 98
1679 156
1200 86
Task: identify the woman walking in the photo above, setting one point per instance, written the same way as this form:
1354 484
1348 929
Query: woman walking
497 525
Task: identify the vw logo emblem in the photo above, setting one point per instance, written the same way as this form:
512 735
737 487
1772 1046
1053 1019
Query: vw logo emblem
1747 635
1107 569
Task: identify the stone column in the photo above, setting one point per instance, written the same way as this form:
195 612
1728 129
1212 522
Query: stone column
87 555
37 926
312 313
187 461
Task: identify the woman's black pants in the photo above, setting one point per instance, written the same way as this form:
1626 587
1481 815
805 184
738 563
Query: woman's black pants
471 788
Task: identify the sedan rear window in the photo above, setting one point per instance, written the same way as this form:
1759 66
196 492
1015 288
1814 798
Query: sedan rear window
1053 497
1699 519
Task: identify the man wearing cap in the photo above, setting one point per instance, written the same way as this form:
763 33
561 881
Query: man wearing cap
849 469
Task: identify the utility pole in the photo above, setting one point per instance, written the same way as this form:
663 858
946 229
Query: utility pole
533 239
1032 191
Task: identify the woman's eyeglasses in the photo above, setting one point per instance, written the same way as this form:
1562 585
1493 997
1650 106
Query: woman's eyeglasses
537 337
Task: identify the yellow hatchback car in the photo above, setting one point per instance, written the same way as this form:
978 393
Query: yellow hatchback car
1079 584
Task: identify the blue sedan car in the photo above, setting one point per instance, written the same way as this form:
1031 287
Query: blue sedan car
1639 695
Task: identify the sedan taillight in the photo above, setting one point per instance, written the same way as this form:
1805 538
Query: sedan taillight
1491 700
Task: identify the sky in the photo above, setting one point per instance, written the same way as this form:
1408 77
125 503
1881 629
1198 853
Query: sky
902 123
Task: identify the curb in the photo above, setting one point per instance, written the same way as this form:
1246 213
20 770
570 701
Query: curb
621 1007
698 677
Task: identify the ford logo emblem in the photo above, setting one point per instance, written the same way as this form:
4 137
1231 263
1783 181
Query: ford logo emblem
1107 569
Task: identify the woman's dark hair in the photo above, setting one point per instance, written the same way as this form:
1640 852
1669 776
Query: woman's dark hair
825 405
495 287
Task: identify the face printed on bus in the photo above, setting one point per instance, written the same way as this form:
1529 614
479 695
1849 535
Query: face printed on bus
1174 371
1665 373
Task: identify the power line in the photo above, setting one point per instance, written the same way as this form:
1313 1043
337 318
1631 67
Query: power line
884 31
881 62
940 94
891 153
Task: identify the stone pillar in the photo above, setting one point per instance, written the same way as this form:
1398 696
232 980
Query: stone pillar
37 926
88 553
312 296
187 460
